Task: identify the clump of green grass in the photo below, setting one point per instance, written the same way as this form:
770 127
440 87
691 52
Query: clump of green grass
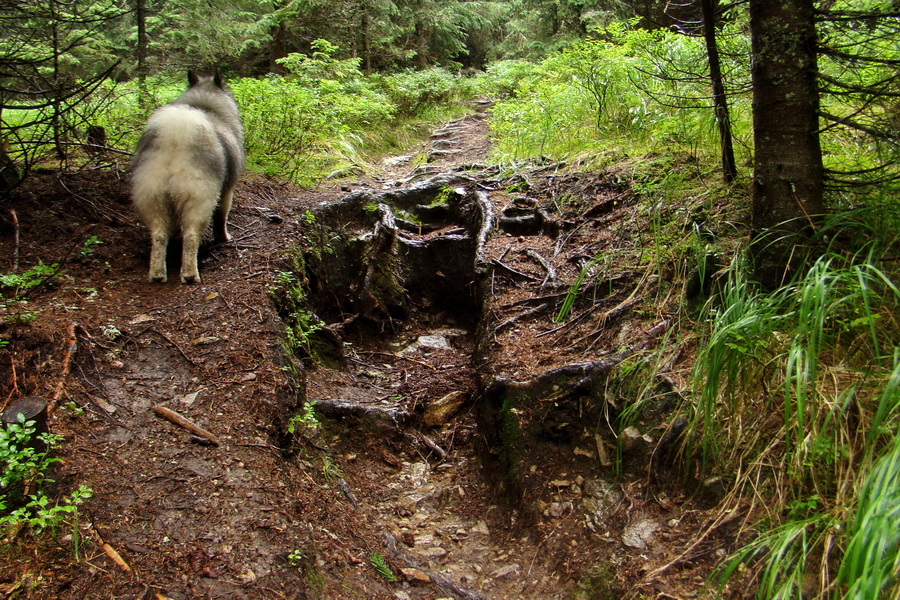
797 395
376 559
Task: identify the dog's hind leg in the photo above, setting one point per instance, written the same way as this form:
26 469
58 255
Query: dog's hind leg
220 217
159 240
191 233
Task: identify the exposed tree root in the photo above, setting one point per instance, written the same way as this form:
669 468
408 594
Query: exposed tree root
336 409
440 581
558 382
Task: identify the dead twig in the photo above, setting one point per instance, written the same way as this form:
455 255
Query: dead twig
15 222
551 272
519 317
174 417
511 271
431 444
111 552
71 348
14 388
177 347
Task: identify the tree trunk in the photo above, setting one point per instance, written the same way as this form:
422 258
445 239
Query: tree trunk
56 118
720 100
140 15
788 174
367 45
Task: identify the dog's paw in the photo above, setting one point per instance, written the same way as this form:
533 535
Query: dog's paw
190 278
157 277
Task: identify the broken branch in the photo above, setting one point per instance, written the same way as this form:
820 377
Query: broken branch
174 417
71 348
347 408
111 552
551 272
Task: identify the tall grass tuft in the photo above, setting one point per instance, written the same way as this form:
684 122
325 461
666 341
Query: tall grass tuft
797 393
871 560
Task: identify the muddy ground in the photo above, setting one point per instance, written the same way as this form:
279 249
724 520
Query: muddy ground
525 486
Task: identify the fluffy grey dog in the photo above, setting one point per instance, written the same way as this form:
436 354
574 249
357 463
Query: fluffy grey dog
186 165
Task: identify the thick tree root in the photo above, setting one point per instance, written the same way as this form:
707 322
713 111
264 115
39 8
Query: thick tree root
572 379
336 409
440 581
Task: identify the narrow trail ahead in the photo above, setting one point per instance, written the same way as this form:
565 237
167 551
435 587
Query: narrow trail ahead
463 434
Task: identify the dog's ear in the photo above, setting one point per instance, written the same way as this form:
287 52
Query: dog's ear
217 79
192 79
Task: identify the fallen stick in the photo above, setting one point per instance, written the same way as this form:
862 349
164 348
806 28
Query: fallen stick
15 221
339 408
177 347
174 417
71 348
111 552
551 272
442 454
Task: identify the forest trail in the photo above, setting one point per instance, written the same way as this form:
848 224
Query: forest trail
269 514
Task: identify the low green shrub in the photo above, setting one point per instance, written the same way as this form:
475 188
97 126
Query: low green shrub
24 462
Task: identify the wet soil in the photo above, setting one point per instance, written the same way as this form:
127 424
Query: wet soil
524 488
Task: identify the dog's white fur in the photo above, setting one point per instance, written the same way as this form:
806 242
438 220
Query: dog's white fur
186 166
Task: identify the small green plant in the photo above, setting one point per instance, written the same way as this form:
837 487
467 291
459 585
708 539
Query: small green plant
23 469
73 409
330 471
29 279
295 557
20 318
376 559
305 420
575 288
41 515
307 218
89 247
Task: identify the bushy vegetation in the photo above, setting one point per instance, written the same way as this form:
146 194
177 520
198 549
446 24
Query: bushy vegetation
24 463
326 114
797 394
628 91
323 115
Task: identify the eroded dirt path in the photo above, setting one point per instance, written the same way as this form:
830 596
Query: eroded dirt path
454 507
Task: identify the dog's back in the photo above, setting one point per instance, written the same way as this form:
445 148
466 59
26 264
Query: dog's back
187 163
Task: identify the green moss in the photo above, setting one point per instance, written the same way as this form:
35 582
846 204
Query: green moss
600 583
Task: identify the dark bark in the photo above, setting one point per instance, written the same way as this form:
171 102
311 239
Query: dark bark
366 42
788 175
140 15
720 100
